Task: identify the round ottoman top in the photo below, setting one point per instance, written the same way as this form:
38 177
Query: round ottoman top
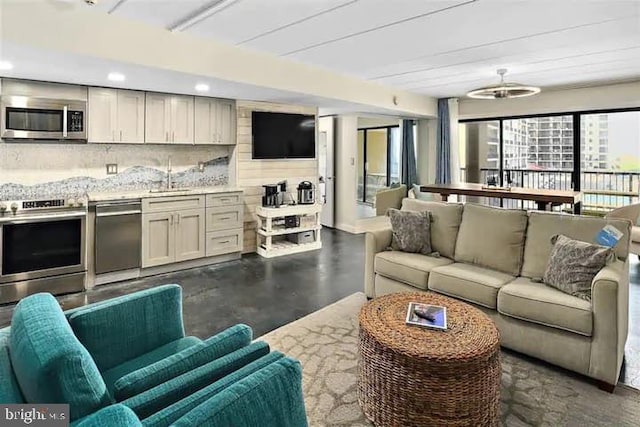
470 333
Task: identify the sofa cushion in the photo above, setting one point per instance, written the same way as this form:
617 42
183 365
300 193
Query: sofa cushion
544 225
412 269
471 283
492 237
49 362
445 221
539 303
410 231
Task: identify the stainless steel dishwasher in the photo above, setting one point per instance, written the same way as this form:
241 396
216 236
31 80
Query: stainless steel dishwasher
118 236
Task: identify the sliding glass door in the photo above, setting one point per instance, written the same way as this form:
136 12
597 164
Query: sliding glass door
378 162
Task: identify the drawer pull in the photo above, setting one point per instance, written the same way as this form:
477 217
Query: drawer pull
224 200
224 241
224 218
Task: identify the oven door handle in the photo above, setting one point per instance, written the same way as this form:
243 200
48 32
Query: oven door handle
65 111
39 218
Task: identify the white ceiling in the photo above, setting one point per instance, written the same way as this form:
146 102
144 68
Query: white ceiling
439 48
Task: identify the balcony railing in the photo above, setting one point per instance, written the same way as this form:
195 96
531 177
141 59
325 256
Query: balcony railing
602 190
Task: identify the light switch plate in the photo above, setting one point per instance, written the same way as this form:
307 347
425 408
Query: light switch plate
112 168
201 166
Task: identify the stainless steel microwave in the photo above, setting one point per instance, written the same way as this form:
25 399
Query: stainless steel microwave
25 117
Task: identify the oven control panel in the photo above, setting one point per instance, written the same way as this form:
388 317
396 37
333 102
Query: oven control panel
35 204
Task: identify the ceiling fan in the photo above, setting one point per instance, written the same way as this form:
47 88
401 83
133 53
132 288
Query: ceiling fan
503 90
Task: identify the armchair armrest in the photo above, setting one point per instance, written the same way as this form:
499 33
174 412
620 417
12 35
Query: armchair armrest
114 415
163 395
271 397
375 241
167 416
630 212
177 364
123 328
389 198
610 303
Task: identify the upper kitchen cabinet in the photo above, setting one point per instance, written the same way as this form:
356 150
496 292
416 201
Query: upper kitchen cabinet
215 121
116 116
169 119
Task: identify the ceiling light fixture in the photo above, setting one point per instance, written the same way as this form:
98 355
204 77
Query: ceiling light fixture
116 77
5 65
202 87
503 90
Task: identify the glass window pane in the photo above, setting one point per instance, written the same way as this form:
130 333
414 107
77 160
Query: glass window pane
376 162
609 160
395 153
479 151
360 167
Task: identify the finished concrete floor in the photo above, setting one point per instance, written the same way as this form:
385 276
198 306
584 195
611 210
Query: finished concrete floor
269 293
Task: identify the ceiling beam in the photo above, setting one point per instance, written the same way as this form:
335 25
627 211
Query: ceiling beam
201 14
116 6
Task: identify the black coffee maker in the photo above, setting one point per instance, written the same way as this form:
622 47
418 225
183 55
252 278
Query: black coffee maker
274 194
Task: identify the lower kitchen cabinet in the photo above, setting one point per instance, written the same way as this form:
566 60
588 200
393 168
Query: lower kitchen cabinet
169 237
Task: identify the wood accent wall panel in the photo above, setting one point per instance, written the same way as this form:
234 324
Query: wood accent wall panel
251 175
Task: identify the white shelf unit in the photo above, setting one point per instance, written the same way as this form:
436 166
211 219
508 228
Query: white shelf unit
268 247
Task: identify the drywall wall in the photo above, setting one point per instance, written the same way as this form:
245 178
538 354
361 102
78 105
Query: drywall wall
624 95
252 174
346 132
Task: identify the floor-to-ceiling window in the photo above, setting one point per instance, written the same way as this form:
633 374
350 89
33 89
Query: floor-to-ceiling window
595 152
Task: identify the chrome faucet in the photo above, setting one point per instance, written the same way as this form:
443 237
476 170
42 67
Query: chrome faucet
169 177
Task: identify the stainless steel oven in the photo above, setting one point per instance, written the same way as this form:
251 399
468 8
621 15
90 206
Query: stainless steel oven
42 248
26 117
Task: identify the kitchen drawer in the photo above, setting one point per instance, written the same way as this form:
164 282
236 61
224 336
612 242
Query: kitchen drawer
224 217
224 242
224 199
174 203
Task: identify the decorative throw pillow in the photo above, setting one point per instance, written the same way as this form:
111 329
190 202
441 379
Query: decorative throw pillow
573 265
410 231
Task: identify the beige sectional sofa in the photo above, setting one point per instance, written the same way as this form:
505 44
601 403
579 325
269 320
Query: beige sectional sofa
491 258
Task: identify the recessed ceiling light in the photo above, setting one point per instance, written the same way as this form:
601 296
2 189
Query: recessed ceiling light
116 77
6 65
202 87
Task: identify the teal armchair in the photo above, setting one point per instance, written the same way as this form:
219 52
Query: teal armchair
127 361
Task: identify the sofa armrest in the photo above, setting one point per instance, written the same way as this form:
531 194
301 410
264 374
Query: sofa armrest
177 364
114 415
163 395
271 397
610 303
375 242
126 327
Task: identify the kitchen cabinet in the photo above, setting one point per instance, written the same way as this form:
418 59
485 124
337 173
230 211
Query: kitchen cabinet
172 229
169 119
215 121
116 116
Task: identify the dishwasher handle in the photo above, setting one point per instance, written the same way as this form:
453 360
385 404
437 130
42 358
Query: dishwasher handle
119 213
121 208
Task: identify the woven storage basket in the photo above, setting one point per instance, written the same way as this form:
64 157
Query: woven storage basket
414 376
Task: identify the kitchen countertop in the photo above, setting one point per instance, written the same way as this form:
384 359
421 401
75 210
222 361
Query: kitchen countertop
146 194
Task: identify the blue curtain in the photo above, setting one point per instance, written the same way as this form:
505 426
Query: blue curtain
409 166
443 144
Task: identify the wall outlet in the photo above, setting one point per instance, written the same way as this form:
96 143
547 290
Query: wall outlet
201 166
112 168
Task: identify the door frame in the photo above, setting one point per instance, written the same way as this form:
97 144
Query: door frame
364 160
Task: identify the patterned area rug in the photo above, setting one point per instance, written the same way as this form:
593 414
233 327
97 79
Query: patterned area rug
533 393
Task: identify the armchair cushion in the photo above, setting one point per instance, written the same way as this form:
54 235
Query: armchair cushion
536 302
49 362
9 388
635 233
124 328
160 353
186 360
270 397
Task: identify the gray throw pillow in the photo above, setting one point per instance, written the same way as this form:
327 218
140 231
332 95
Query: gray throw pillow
410 231
573 265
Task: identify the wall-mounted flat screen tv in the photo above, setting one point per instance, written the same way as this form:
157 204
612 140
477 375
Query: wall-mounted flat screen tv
283 136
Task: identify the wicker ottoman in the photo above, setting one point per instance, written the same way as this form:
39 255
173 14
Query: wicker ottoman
414 376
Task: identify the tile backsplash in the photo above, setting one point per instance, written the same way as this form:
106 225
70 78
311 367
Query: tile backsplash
37 170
